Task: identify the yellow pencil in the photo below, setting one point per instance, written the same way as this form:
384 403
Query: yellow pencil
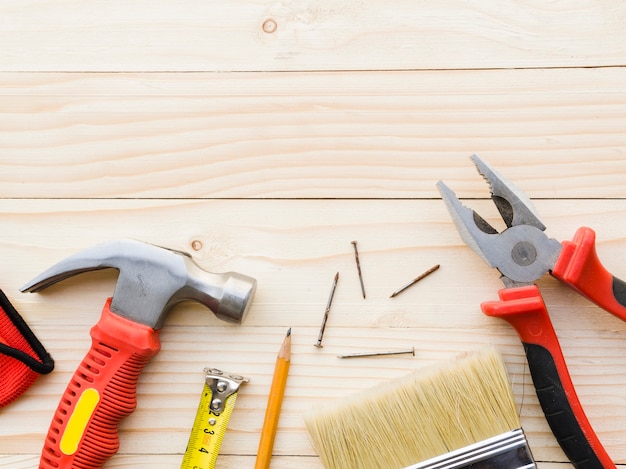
274 403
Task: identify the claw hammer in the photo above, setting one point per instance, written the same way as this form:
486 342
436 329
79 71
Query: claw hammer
102 392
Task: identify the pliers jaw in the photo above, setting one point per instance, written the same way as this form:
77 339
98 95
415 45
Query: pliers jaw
514 205
522 252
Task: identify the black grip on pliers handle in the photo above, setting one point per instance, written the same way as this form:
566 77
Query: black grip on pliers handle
525 310
557 409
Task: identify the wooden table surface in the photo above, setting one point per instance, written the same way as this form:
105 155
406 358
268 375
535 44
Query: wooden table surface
263 137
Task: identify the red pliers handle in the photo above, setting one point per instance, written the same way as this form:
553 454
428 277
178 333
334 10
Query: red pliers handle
580 268
526 311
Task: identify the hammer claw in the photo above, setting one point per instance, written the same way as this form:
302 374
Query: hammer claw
95 258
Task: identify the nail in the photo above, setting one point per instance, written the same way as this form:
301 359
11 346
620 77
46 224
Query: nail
379 354
330 301
415 280
358 267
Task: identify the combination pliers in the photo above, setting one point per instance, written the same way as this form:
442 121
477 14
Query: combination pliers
523 253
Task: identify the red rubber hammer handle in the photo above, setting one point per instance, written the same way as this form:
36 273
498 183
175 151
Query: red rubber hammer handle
579 266
525 310
102 392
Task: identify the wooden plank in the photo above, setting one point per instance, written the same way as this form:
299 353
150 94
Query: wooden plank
557 133
293 248
261 35
224 462
273 174
149 461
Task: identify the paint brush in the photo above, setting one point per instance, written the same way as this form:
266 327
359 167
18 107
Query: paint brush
461 414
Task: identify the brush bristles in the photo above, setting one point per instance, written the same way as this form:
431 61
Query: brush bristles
417 417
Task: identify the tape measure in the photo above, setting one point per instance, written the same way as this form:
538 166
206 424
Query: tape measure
216 404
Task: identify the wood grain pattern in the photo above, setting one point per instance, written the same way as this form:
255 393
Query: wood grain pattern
323 135
309 35
264 137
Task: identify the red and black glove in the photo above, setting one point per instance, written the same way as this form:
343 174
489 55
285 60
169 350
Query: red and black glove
22 357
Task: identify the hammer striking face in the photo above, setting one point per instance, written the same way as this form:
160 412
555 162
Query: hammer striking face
84 431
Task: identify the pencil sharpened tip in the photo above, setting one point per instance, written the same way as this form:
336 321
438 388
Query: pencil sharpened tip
289 332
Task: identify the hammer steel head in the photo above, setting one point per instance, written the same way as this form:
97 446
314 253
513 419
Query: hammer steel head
153 279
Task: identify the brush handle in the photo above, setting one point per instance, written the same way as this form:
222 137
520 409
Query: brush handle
102 392
526 311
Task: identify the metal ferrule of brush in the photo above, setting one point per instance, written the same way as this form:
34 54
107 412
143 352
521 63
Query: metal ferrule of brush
507 451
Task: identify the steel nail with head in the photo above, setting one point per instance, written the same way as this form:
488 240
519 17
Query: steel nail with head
415 280
330 301
379 354
358 267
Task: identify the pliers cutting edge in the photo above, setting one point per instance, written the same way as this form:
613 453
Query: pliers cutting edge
523 253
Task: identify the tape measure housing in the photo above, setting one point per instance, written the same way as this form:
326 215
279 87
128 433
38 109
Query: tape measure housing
217 401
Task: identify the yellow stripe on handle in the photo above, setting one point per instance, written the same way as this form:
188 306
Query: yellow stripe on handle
78 421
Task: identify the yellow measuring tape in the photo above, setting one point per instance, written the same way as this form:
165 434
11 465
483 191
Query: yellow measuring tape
216 404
